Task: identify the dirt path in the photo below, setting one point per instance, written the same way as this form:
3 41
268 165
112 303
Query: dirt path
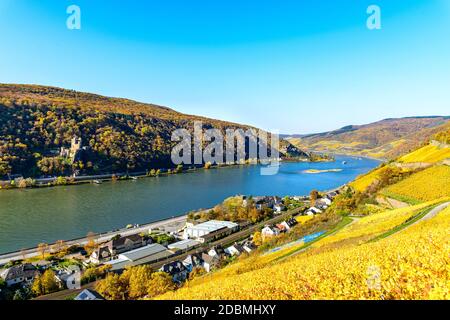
390 202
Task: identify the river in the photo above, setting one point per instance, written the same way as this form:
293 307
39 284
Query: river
31 216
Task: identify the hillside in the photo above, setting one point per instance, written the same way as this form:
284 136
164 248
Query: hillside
387 138
118 135
429 184
359 260
346 265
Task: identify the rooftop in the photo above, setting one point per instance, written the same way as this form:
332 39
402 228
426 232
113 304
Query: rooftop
213 225
143 252
184 244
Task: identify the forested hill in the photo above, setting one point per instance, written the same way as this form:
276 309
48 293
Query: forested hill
388 138
118 134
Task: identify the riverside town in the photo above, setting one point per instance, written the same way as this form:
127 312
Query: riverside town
224 159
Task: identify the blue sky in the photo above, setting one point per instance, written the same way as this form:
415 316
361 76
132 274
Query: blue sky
295 66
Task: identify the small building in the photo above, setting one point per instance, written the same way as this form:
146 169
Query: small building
248 246
148 254
332 195
218 234
209 262
88 295
270 231
176 270
325 201
20 274
235 250
217 252
127 243
202 229
184 245
193 261
315 210
279 207
101 255
288 224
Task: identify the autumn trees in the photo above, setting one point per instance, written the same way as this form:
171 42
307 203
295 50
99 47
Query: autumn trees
45 283
234 209
135 283
119 135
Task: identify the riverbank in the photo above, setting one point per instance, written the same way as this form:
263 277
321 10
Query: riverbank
31 183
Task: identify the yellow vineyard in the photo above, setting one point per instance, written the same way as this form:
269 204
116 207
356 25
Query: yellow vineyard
428 154
411 264
363 182
432 183
376 224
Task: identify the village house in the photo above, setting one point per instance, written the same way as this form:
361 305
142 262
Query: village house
332 195
67 276
116 246
192 261
248 246
234 250
313 210
217 252
124 244
101 255
176 270
210 262
279 207
269 231
23 274
325 201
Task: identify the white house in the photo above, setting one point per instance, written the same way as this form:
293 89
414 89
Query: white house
20 274
315 210
278 208
209 262
269 231
234 250
325 201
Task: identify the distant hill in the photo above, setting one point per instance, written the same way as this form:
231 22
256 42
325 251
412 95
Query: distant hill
388 138
118 134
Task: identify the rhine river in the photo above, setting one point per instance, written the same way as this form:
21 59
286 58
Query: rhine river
32 216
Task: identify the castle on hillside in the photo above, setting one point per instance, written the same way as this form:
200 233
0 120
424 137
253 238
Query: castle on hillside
72 153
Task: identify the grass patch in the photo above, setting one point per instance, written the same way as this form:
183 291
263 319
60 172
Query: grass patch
402 198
